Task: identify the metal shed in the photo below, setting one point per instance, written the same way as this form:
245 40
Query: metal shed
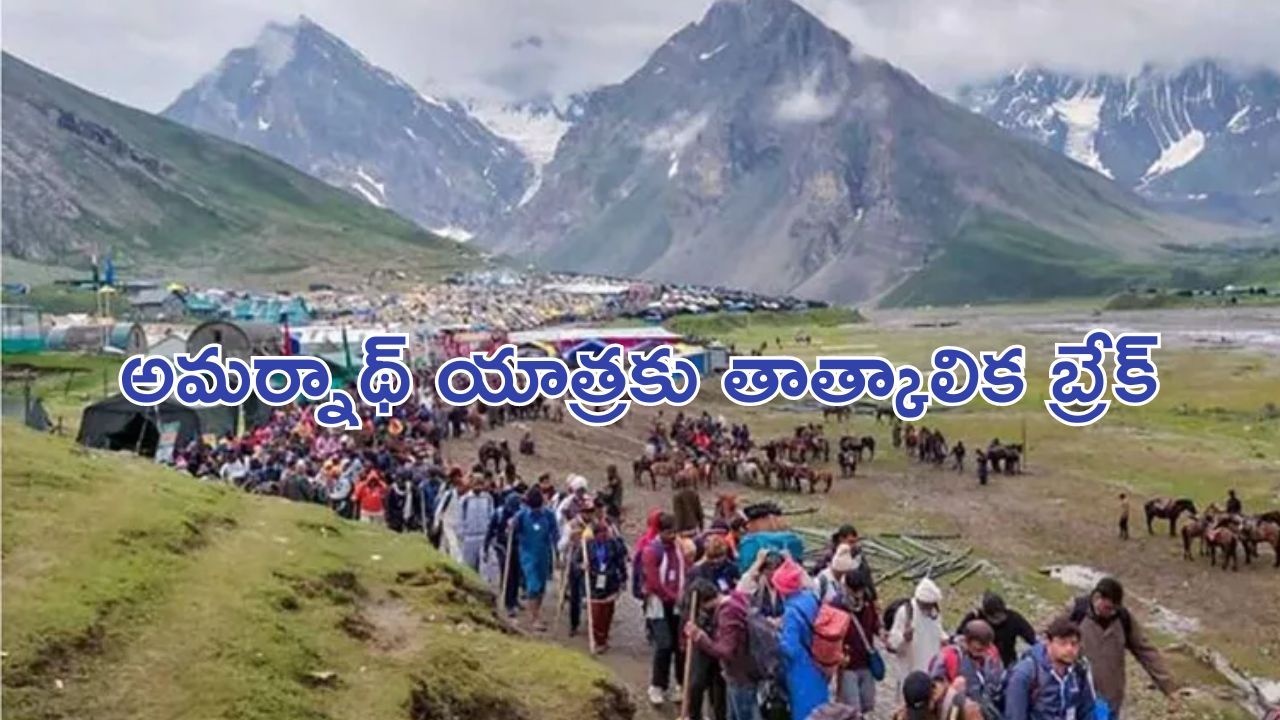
126 337
239 340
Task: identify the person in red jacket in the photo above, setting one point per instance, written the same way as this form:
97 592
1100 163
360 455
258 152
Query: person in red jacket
369 495
664 568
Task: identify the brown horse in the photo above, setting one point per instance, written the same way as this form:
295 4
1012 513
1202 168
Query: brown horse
1258 531
1228 539
1167 508
841 413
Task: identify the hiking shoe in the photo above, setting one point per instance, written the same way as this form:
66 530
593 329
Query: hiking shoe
676 694
656 696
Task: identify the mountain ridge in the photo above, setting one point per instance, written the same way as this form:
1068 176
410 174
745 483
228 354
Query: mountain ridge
84 174
305 96
755 147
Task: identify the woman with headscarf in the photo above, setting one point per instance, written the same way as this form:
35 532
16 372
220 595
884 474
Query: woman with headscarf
805 682
536 534
606 576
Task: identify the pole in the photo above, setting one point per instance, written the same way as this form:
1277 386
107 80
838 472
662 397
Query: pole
1024 444
506 562
688 660
586 597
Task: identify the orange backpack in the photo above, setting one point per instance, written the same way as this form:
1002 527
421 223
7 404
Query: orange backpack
829 630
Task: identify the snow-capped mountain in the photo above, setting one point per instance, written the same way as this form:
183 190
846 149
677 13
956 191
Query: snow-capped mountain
306 97
755 149
1202 137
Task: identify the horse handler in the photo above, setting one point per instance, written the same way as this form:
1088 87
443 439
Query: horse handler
606 565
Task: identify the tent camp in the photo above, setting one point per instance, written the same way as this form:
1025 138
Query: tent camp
239 340
117 424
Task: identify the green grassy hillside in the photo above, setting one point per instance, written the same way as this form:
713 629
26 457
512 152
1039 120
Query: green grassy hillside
82 172
1001 259
134 592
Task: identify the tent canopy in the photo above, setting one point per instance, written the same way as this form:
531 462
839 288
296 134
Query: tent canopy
117 424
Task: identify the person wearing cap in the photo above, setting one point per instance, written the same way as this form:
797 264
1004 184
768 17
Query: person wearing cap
926 698
1052 681
757 583
976 659
805 682
917 634
571 550
857 685
368 496
475 513
831 580
847 535
1009 626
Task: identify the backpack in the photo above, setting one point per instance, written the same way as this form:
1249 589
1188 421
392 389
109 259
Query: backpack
637 575
1080 610
829 630
762 645
992 700
891 612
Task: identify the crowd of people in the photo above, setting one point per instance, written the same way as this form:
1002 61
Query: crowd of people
742 624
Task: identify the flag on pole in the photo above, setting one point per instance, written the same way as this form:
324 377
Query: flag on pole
346 348
109 271
94 257
286 346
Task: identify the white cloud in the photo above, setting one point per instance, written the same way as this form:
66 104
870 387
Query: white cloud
676 135
144 52
805 105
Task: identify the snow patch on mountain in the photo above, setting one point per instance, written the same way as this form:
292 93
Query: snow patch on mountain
1240 121
454 232
368 196
537 134
263 125
1082 115
1179 153
703 57
371 182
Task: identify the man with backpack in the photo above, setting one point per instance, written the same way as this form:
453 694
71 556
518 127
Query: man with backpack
1051 682
977 661
858 677
663 566
916 633
1107 631
732 648
705 678
806 685
1009 626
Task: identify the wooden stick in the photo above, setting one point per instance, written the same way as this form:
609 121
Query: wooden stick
507 559
586 597
688 660
965 575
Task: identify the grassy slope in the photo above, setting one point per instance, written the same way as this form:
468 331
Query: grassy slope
218 206
151 595
1001 259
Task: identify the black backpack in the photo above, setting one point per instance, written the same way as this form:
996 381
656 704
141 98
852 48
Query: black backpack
891 612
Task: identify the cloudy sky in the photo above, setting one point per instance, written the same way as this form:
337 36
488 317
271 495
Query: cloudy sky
144 52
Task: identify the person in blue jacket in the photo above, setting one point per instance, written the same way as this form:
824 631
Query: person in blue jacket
536 535
1051 682
806 685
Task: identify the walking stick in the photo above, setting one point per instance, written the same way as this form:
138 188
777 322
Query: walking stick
506 564
688 660
586 597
